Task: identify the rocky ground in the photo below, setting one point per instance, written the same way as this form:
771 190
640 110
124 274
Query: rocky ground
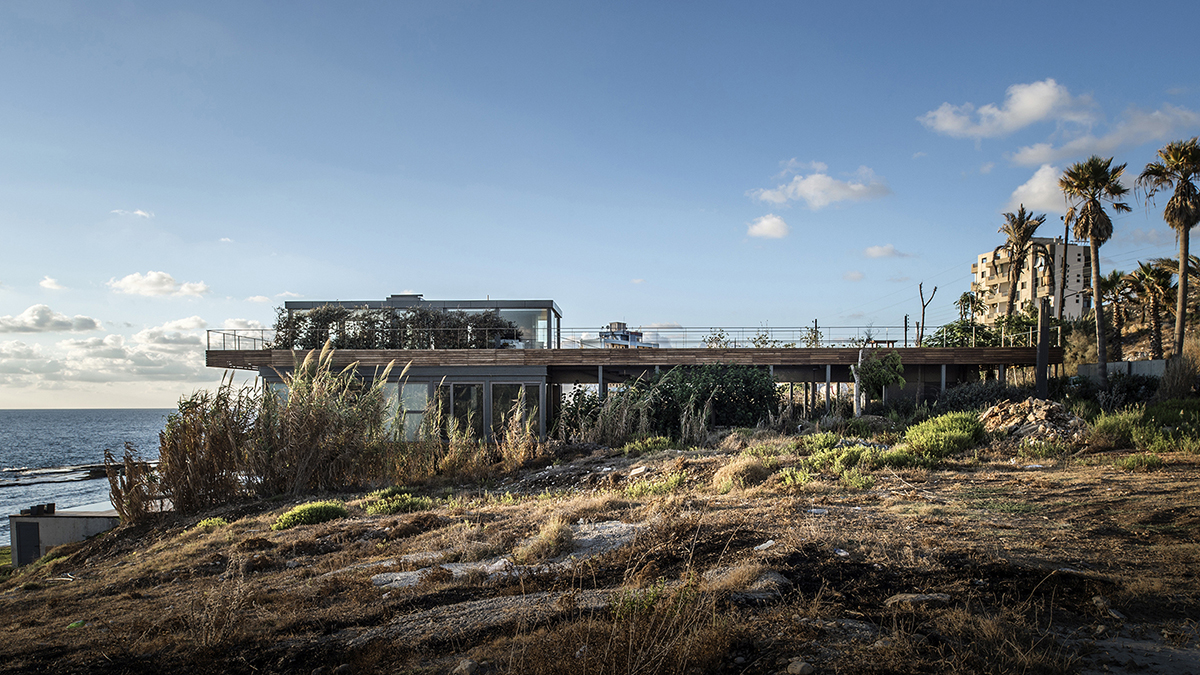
996 562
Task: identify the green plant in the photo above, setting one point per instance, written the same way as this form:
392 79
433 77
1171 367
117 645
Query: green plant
1115 430
1143 461
820 441
310 514
401 503
211 524
646 445
794 478
656 486
856 480
947 434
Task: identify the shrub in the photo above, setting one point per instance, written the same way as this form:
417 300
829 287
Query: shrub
1032 448
646 445
1114 430
661 486
211 524
310 514
1143 461
822 441
945 435
794 478
855 480
740 396
899 458
400 503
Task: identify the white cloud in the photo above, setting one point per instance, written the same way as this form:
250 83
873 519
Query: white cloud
42 319
885 251
1136 127
1039 193
225 240
1024 104
637 281
818 189
139 213
899 280
769 226
242 324
155 355
258 298
156 283
190 323
853 276
918 155
52 284
289 294
987 167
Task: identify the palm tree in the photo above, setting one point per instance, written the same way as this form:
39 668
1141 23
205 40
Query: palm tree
1193 273
1117 291
1086 185
969 304
1178 167
1153 287
1019 229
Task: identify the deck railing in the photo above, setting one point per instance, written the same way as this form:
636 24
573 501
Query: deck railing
664 337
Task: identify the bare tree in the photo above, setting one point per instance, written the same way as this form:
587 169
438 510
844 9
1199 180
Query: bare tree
924 304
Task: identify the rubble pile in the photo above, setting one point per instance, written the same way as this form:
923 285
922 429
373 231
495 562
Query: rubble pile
1035 419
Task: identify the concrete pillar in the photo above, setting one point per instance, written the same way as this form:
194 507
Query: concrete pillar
600 380
1003 375
943 378
828 379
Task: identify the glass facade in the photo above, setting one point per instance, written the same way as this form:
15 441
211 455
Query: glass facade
510 398
533 324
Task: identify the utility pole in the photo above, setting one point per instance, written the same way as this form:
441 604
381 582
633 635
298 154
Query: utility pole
1060 298
906 330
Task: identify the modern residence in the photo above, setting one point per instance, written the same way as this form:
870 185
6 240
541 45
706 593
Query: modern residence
989 281
500 351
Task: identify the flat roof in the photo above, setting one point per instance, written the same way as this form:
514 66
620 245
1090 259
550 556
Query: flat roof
404 301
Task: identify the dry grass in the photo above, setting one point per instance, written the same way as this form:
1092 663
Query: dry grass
740 474
552 540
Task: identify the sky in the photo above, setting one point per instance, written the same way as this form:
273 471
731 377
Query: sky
171 168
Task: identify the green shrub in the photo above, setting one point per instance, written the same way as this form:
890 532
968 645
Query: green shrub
793 477
1143 461
899 458
388 493
1115 430
822 441
310 514
975 396
855 480
211 524
660 486
1032 448
945 435
399 503
1181 415
645 445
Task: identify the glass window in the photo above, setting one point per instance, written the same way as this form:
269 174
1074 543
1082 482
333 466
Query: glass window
467 400
511 398
532 324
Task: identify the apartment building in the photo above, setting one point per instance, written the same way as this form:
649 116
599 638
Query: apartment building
989 281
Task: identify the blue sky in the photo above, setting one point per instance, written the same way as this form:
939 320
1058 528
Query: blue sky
167 168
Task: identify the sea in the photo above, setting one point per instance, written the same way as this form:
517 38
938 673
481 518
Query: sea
40 450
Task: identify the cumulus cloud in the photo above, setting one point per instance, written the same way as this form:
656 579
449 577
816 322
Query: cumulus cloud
156 283
258 298
769 226
242 324
190 323
225 240
987 167
42 319
818 189
1039 193
920 154
885 251
637 281
139 213
52 284
853 275
156 354
1134 128
289 294
1024 104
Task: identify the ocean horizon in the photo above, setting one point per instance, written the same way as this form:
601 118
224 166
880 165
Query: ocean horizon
35 443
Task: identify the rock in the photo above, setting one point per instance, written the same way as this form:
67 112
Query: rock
910 600
800 668
765 545
740 660
1034 419
639 471
465 667
343 669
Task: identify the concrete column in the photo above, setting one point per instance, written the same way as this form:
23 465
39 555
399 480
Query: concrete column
828 379
943 378
600 380
1003 375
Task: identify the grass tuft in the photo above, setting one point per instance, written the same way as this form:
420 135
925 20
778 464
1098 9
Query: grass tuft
310 514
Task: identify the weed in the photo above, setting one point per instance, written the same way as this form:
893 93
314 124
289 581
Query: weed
211 524
855 480
646 445
552 540
945 435
1033 448
1115 430
795 478
310 514
653 487
820 441
400 503
1142 461
741 473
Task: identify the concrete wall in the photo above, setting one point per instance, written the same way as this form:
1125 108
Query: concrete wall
60 528
1153 368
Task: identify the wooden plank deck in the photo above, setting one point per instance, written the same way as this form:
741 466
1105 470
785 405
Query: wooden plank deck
630 358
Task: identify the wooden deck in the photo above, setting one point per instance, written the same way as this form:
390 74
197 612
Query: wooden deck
630 358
